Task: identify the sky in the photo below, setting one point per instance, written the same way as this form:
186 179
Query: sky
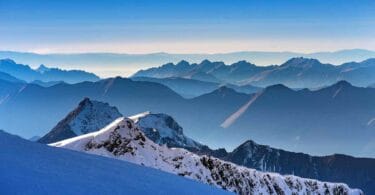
178 26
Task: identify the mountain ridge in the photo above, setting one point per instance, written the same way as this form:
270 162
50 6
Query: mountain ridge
297 72
92 61
123 140
163 129
26 73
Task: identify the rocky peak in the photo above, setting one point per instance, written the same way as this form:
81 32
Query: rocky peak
163 129
88 117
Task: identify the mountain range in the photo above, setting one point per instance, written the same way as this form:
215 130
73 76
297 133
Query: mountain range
32 168
162 129
295 73
114 64
42 73
123 140
291 119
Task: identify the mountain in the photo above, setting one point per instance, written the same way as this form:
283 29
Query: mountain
190 88
43 73
88 117
298 73
123 140
357 172
295 73
32 168
124 64
163 129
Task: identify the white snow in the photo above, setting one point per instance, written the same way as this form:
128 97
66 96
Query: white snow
31 168
123 140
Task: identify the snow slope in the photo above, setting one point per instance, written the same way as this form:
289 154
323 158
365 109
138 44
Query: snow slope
123 140
88 117
32 168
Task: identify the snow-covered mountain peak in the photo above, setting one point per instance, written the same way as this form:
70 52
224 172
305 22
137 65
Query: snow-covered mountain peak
123 140
163 129
89 116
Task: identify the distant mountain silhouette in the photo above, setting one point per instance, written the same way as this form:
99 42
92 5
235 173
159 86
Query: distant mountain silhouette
295 73
43 73
192 88
100 63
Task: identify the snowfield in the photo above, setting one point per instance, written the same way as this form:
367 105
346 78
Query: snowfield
123 140
32 168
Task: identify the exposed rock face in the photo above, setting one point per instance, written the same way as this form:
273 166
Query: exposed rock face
356 172
163 129
88 117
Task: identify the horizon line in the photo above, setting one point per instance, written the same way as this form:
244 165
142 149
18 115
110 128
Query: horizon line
192 53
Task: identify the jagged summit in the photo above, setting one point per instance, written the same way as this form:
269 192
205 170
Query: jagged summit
163 129
89 116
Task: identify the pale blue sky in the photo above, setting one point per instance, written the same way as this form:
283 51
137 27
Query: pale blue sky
186 26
